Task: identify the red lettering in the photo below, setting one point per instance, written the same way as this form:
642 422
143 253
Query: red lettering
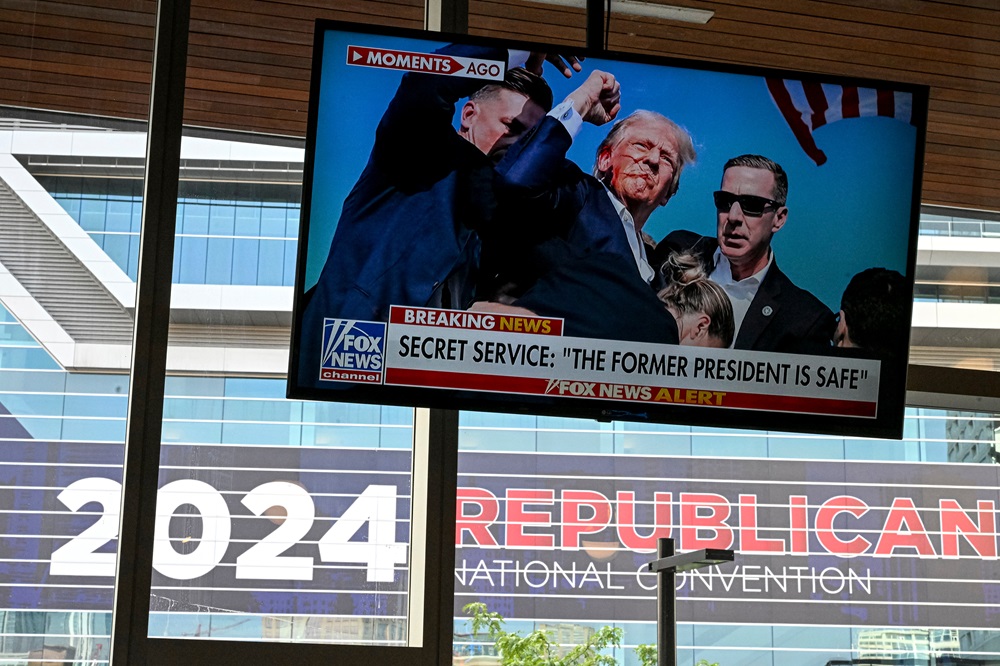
574 524
798 518
693 522
824 525
749 541
662 521
518 517
904 529
955 521
478 524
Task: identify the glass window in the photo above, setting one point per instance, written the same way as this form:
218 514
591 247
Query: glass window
288 276
272 221
292 222
239 387
96 383
14 332
270 269
27 358
118 248
219 268
94 429
133 256
119 215
966 228
343 470
194 259
721 443
71 205
222 220
62 433
245 261
231 431
247 220
192 432
93 214
195 219
28 381
31 404
103 405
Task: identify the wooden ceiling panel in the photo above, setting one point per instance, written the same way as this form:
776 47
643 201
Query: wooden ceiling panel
249 60
258 52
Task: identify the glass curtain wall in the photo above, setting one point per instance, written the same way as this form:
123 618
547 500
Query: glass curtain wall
65 319
281 520
262 497
209 416
558 517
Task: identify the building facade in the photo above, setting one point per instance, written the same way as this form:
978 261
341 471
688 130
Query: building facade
556 516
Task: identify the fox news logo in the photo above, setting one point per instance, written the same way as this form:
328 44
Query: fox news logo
352 351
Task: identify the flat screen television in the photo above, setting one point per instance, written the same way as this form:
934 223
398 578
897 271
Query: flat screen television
645 239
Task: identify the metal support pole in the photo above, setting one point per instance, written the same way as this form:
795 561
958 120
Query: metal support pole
130 621
440 570
595 24
455 16
666 604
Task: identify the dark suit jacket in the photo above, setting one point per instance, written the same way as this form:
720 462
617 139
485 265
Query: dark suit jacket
408 231
781 318
552 213
601 295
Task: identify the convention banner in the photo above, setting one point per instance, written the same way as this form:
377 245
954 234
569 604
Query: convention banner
513 227
817 542
275 532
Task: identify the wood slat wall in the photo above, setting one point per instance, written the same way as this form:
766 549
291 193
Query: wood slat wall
249 60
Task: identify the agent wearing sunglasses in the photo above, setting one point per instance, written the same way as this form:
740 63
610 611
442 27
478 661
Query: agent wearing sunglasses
771 312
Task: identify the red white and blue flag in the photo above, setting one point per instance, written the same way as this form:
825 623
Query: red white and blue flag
807 106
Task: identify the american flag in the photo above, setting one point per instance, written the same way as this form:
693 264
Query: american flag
807 106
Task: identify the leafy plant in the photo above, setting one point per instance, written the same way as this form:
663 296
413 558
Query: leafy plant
646 654
537 649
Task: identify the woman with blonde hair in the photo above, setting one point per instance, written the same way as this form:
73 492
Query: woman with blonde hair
703 311
602 296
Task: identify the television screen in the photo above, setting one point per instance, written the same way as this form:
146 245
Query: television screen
529 228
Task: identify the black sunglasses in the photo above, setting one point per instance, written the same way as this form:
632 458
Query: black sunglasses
750 204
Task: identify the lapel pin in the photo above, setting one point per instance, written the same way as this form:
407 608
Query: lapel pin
767 310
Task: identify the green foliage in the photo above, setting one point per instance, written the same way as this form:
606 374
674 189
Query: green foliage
536 649
646 654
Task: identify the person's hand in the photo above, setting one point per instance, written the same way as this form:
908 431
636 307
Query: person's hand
565 64
598 100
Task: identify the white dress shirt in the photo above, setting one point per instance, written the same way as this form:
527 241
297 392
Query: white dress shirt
740 292
634 238
573 122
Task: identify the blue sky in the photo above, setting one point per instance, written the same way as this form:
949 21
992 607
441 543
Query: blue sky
850 214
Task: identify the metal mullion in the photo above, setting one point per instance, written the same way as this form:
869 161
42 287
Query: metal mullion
130 621
595 24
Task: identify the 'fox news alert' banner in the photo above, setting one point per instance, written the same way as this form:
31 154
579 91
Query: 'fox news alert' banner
511 354
397 205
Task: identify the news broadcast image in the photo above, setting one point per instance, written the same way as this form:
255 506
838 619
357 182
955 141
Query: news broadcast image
850 151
